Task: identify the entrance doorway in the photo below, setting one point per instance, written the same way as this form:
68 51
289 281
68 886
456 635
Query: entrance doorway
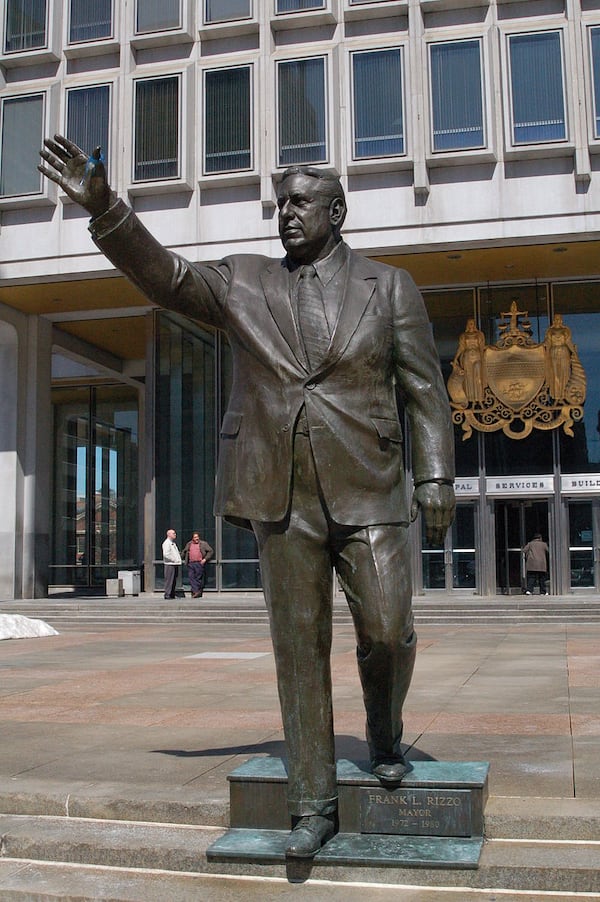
516 522
453 568
95 507
584 544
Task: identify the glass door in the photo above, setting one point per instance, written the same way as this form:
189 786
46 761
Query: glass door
95 528
453 567
584 544
516 522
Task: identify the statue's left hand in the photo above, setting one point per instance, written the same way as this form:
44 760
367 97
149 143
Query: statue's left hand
438 505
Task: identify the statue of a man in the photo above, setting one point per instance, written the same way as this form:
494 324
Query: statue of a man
311 449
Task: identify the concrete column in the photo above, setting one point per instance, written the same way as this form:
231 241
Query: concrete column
146 432
9 348
36 457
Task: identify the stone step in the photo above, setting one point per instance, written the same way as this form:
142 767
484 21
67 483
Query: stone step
505 816
34 881
553 866
252 610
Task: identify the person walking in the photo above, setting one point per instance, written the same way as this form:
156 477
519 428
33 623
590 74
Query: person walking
196 555
171 561
536 564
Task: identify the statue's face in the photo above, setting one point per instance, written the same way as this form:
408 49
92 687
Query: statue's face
306 219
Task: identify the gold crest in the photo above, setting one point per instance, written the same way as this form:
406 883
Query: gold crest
517 385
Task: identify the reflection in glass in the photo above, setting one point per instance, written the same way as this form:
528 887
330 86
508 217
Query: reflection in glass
95 509
581 544
456 95
157 15
433 569
537 87
579 304
241 575
227 10
156 128
227 127
302 123
185 449
22 119
378 103
90 20
88 117
449 312
463 548
25 25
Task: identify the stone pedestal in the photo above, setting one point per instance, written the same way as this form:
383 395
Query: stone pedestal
434 818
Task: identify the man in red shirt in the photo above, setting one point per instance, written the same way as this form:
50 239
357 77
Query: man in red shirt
196 554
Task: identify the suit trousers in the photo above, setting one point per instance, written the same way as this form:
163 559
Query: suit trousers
297 559
196 576
171 573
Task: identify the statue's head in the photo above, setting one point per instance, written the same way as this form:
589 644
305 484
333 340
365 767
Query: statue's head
312 209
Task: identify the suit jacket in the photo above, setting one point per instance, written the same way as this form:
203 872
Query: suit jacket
382 340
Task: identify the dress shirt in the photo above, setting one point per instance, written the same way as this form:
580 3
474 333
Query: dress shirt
331 273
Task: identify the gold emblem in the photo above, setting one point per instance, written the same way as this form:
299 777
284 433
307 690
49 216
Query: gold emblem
517 385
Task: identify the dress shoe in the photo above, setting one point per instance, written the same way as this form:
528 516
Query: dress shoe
390 770
309 834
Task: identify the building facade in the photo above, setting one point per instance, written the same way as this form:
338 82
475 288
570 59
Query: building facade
467 136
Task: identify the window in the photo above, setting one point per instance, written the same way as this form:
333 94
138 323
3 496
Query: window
226 10
595 45
22 124
302 120
378 105
88 111
157 15
294 6
227 118
25 25
156 128
538 103
90 20
456 95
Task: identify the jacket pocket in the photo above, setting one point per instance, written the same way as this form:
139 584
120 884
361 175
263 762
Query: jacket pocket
387 430
231 425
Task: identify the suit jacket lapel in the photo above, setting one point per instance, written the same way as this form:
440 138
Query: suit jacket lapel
275 282
359 287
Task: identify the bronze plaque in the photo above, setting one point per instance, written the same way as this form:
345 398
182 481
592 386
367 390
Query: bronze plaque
419 812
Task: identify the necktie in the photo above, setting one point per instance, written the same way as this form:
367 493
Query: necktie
311 316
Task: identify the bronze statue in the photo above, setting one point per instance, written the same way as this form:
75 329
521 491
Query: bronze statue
311 449
560 349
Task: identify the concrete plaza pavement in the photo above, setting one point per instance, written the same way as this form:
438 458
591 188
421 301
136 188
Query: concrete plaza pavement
144 721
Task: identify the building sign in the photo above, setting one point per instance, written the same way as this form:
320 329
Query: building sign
519 485
580 484
465 487
516 385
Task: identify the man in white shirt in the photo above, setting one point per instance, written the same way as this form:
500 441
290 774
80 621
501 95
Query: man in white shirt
171 560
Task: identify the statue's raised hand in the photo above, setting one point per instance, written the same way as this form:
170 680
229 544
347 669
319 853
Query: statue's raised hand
83 178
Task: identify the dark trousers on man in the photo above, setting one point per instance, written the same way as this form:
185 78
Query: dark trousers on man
170 579
539 577
372 563
196 575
